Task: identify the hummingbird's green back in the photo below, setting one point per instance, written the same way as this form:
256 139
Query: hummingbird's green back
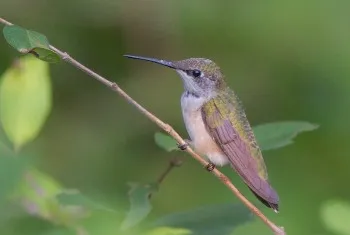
226 121
231 108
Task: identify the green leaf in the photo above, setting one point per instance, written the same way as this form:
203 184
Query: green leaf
335 215
25 99
269 136
255 227
140 205
11 172
169 231
278 134
37 195
62 231
45 55
165 142
208 220
30 225
75 198
27 41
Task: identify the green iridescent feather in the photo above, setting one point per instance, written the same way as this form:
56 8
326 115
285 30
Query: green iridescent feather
230 108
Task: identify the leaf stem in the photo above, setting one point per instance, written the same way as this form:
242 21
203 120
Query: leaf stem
167 128
172 164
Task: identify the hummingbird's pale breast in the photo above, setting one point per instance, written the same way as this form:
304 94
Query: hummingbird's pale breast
200 138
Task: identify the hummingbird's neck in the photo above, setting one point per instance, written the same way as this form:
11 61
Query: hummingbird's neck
193 102
191 94
204 96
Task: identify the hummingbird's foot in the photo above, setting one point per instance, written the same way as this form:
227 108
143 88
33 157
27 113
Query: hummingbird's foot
210 167
184 146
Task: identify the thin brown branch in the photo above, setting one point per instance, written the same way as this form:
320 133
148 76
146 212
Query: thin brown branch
174 162
167 128
165 173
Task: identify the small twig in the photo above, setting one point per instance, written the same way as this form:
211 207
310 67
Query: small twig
175 162
277 230
172 164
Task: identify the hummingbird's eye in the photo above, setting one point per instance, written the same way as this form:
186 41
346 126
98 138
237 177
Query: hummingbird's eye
196 73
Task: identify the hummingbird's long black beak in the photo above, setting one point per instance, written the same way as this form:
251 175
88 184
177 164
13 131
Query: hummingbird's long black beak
157 61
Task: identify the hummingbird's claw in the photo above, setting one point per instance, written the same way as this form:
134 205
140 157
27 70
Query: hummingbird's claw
184 146
210 167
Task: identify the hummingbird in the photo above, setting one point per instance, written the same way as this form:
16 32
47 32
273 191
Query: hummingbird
217 124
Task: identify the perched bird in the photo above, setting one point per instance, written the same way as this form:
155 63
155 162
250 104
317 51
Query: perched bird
217 124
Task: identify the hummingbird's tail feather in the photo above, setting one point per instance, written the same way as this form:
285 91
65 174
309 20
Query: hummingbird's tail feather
261 188
273 206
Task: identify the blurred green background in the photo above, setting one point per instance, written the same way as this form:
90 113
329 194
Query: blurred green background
287 60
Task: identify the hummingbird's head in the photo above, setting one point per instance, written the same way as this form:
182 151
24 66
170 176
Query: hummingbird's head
200 76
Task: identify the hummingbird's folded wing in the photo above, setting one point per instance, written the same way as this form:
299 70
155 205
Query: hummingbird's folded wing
227 124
